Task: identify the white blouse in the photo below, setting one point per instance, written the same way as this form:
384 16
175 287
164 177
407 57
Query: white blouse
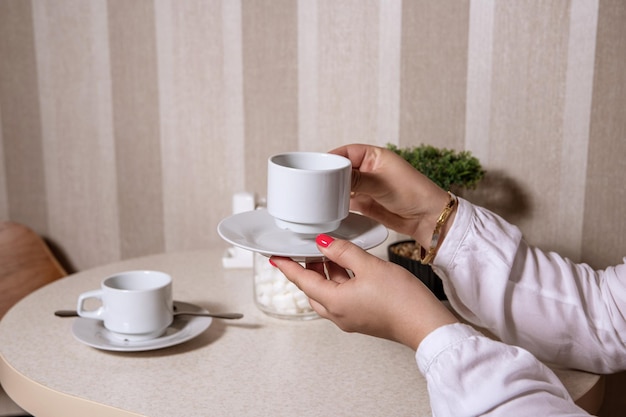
539 304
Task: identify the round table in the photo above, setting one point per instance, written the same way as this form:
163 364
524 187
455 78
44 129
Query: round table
258 365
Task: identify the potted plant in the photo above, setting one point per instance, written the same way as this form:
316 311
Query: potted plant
449 169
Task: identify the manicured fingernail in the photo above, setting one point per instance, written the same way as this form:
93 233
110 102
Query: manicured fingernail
324 240
272 263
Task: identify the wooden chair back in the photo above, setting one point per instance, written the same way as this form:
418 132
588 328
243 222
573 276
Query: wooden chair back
26 263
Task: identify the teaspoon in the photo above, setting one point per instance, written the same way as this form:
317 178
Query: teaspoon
228 316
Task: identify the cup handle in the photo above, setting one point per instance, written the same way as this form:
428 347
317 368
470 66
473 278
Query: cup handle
90 314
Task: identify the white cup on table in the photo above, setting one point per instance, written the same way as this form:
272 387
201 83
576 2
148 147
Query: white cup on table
134 305
308 192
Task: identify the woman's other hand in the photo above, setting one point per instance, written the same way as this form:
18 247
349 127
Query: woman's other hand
388 189
377 298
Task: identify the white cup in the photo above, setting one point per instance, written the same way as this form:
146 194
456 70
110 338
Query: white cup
135 305
308 192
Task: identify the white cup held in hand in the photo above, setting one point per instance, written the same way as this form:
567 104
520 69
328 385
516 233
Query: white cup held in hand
308 192
135 305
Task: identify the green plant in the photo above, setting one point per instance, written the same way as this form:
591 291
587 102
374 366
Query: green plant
445 167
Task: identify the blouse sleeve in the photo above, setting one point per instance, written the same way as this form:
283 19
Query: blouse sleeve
470 375
564 313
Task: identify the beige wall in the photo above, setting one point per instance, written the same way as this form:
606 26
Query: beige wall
125 127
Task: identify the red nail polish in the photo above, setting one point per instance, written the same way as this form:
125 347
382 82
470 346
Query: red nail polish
324 240
272 262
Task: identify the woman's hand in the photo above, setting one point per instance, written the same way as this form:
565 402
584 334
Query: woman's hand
389 190
380 299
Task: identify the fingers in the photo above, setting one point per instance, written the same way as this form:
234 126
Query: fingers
319 280
369 183
344 255
311 280
365 159
330 271
336 273
355 153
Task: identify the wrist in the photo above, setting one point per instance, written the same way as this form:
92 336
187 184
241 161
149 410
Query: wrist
438 317
434 226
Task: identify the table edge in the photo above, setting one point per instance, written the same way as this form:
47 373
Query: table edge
42 401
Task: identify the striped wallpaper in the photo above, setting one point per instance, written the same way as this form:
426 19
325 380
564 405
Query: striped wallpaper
126 126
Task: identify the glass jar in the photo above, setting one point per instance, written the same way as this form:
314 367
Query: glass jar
276 296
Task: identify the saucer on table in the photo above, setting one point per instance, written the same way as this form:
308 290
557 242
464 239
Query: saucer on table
183 328
256 231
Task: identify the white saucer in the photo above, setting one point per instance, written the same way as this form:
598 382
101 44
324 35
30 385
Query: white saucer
256 231
93 333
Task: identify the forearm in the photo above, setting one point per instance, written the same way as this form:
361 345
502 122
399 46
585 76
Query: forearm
469 375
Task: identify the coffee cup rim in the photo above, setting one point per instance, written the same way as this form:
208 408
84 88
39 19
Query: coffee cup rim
280 160
166 279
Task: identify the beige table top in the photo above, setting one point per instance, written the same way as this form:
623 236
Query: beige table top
255 366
